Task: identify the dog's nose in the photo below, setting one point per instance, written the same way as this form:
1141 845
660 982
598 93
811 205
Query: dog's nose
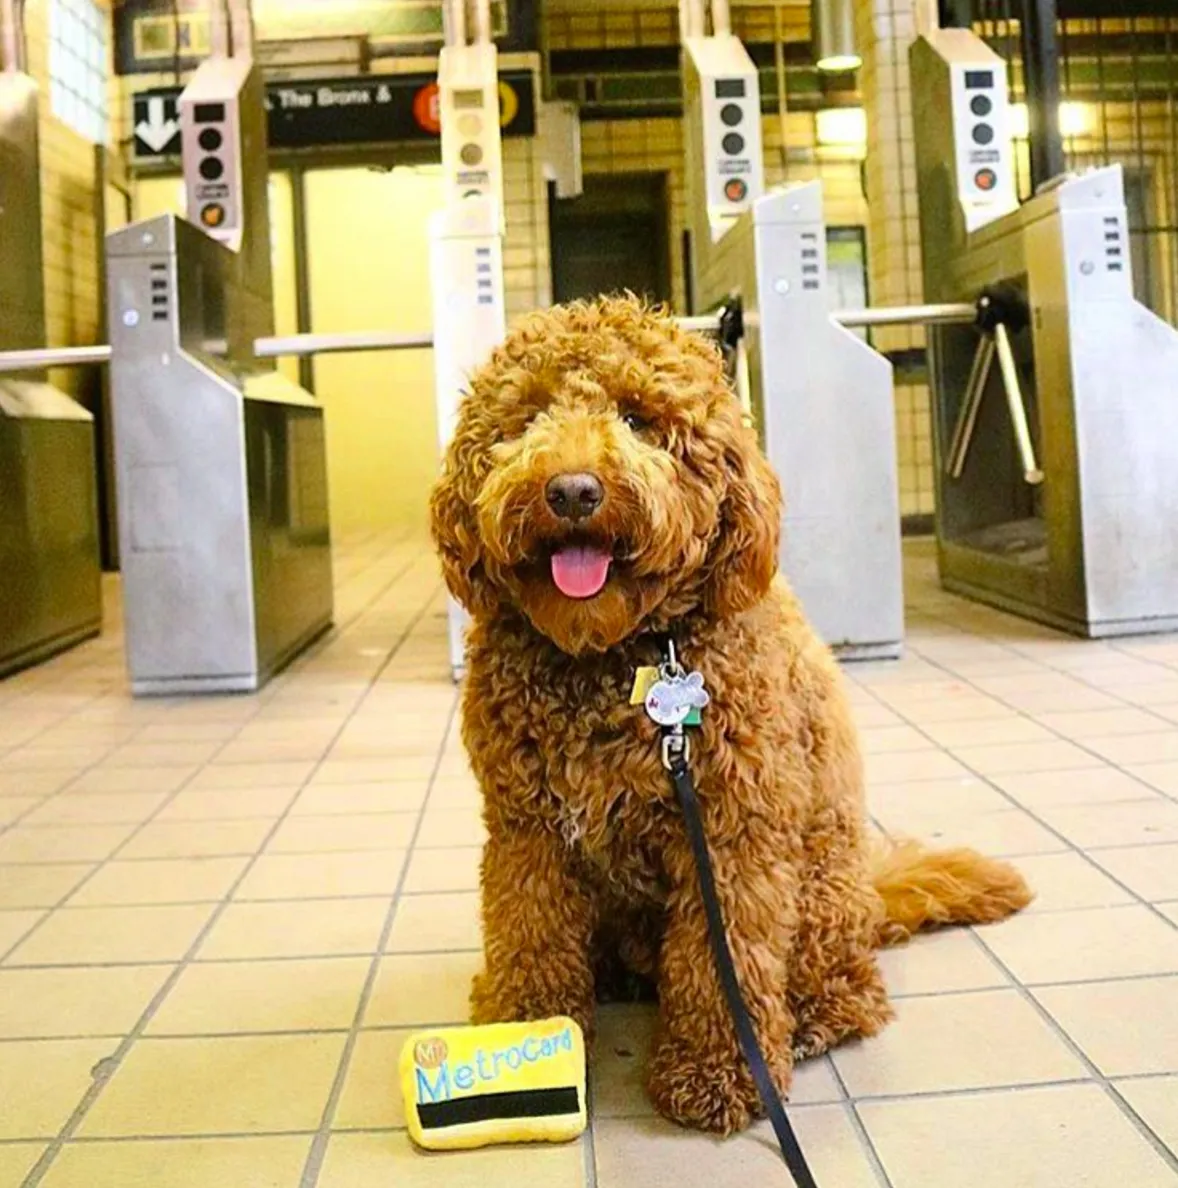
575 496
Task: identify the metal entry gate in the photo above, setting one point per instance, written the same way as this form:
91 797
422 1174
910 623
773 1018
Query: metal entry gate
1115 64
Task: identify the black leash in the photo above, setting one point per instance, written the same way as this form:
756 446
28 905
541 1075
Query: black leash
676 759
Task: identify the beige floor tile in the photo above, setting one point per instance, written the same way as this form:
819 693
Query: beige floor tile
97 809
75 1002
270 1162
108 780
41 1081
291 774
93 936
15 924
939 963
378 1160
380 770
39 758
1162 776
64 843
295 876
372 1098
234 1085
195 839
436 923
1031 1138
1170 910
1091 785
1159 747
16 1161
1150 871
40 886
897 806
1136 822
1013 728
1155 1101
160 881
354 831
323 800
214 998
1005 834
12 808
1106 1022
293 928
957 1041
163 754
1116 942
422 991
458 792
227 804
444 870
32 783
634 1152
443 828
1062 882
1000 759
1098 724
883 740
909 766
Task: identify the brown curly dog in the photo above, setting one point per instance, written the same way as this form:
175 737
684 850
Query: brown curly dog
601 489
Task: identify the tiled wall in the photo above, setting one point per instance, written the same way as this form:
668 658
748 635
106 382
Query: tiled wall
68 185
884 30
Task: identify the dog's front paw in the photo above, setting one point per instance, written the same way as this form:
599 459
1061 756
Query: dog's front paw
710 1092
496 1001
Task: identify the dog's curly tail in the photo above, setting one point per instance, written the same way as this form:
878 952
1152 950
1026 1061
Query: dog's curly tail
923 888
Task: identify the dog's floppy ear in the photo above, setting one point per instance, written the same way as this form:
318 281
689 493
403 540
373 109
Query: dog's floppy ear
743 560
453 524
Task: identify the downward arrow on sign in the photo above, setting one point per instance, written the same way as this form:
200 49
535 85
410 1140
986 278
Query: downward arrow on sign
157 130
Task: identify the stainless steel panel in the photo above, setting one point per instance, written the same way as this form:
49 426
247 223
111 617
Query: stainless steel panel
49 552
1094 551
222 510
823 401
48 531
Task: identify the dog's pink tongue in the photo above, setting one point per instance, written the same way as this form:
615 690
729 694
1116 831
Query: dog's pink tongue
580 571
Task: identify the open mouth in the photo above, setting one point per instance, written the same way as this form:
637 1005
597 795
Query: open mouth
580 570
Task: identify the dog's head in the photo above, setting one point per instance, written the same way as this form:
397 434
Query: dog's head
601 479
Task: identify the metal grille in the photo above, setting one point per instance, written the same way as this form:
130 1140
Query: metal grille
1119 90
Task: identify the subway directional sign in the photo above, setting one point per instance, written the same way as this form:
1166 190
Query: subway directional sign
369 109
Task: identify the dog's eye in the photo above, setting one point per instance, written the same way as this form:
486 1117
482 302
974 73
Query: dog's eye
634 422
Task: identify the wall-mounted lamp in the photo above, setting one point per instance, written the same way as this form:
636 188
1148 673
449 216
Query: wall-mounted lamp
832 33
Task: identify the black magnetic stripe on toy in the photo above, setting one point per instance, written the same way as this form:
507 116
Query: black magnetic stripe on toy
488 1107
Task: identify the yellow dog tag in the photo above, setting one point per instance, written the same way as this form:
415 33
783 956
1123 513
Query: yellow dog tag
644 680
503 1083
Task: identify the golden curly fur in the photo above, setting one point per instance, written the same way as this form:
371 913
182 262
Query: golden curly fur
587 864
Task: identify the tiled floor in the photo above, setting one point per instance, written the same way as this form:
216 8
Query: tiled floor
219 917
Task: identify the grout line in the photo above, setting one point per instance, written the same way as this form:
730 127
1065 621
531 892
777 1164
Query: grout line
112 1063
1094 1072
862 1135
315 1157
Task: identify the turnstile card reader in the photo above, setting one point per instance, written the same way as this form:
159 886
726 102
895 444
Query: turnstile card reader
726 169
221 472
468 111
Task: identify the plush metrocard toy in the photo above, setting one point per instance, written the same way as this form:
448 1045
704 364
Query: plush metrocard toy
502 1083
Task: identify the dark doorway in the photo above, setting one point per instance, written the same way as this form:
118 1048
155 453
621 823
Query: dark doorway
612 238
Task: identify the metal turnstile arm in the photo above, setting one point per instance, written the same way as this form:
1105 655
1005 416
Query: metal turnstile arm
1018 410
994 308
